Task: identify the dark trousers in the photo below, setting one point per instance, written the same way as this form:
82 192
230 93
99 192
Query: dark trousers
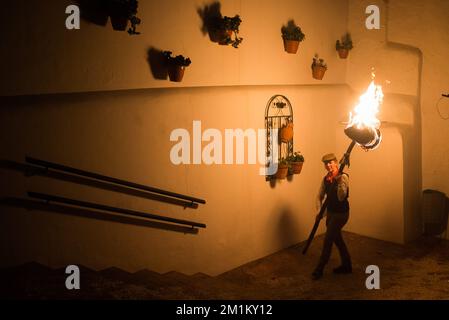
334 223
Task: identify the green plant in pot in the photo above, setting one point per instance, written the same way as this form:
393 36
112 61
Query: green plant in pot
176 66
283 166
319 67
344 46
122 11
228 29
292 36
296 161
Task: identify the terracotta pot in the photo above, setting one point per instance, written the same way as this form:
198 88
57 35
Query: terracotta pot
286 133
343 53
318 72
282 171
119 22
223 35
291 46
297 167
176 73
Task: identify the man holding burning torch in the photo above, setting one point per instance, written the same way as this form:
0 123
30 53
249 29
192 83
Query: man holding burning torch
335 187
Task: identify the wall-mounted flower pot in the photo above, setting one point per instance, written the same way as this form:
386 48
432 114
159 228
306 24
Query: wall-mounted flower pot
223 36
286 133
296 167
344 45
176 73
343 53
225 31
119 22
175 65
318 72
282 171
291 46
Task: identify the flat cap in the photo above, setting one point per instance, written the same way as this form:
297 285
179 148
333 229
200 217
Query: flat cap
329 157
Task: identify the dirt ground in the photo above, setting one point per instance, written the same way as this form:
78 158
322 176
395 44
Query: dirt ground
419 270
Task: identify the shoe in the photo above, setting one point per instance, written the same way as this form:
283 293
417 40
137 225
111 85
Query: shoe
343 270
317 274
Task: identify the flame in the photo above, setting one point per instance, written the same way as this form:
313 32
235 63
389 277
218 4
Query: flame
364 115
365 112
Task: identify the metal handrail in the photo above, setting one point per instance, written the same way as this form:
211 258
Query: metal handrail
55 166
52 198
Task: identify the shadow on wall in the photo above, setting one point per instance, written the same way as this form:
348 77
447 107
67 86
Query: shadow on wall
211 17
412 148
157 63
91 214
30 170
94 11
411 158
288 231
273 182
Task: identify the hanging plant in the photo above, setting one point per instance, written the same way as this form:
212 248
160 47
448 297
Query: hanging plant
296 162
292 36
122 11
282 171
176 66
227 31
344 46
319 67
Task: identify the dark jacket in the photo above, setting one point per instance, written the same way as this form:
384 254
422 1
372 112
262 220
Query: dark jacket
334 204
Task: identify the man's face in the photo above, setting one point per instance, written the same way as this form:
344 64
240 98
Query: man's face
331 166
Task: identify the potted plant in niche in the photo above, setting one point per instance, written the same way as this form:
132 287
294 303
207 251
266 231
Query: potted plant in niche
122 11
344 46
176 66
319 67
282 169
292 36
228 29
296 161
286 132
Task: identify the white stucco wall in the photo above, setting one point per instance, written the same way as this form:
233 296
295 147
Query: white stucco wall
103 111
